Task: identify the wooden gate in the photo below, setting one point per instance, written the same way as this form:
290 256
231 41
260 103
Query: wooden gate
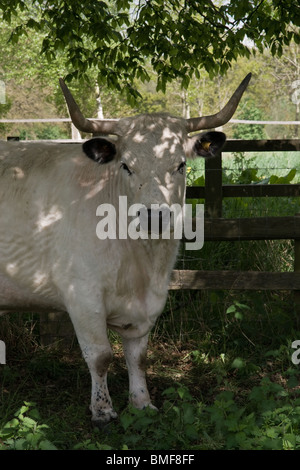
217 228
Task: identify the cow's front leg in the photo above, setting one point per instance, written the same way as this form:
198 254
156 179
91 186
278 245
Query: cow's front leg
135 350
96 350
98 359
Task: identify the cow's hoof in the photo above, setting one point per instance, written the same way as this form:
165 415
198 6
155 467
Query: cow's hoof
104 419
140 406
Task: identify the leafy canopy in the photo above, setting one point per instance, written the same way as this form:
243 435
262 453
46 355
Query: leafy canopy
178 37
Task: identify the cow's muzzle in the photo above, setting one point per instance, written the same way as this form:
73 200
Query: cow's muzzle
155 221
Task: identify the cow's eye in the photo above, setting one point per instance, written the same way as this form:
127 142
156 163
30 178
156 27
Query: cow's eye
181 167
125 167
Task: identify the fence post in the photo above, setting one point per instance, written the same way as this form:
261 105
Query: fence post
56 327
213 187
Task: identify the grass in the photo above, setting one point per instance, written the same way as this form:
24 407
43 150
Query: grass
219 366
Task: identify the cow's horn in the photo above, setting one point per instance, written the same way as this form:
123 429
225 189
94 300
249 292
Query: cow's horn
105 126
223 116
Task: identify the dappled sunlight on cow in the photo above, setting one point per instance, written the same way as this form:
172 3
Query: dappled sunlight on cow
55 254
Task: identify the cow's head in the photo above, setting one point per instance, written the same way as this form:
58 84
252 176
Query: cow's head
151 150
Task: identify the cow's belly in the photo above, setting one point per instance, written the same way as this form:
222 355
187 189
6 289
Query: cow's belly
16 298
133 317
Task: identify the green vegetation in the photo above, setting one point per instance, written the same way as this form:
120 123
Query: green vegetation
271 420
231 387
184 77
24 433
119 40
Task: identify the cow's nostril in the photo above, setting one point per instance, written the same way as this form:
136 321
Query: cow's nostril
155 221
158 220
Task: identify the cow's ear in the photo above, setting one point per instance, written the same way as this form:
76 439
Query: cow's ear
209 144
100 150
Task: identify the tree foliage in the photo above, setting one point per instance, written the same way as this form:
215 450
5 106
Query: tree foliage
249 111
179 38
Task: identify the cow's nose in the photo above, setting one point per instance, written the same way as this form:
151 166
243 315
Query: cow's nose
155 221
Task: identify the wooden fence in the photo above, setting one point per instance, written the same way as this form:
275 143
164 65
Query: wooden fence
217 228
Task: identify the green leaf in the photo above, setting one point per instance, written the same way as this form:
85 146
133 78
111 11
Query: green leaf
199 181
19 444
47 445
9 428
126 420
243 306
231 309
238 363
238 315
191 432
28 422
189 414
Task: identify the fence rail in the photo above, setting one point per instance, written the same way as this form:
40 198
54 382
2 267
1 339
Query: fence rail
252 228
234 280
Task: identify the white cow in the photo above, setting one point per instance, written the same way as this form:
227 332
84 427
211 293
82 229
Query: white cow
51 256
